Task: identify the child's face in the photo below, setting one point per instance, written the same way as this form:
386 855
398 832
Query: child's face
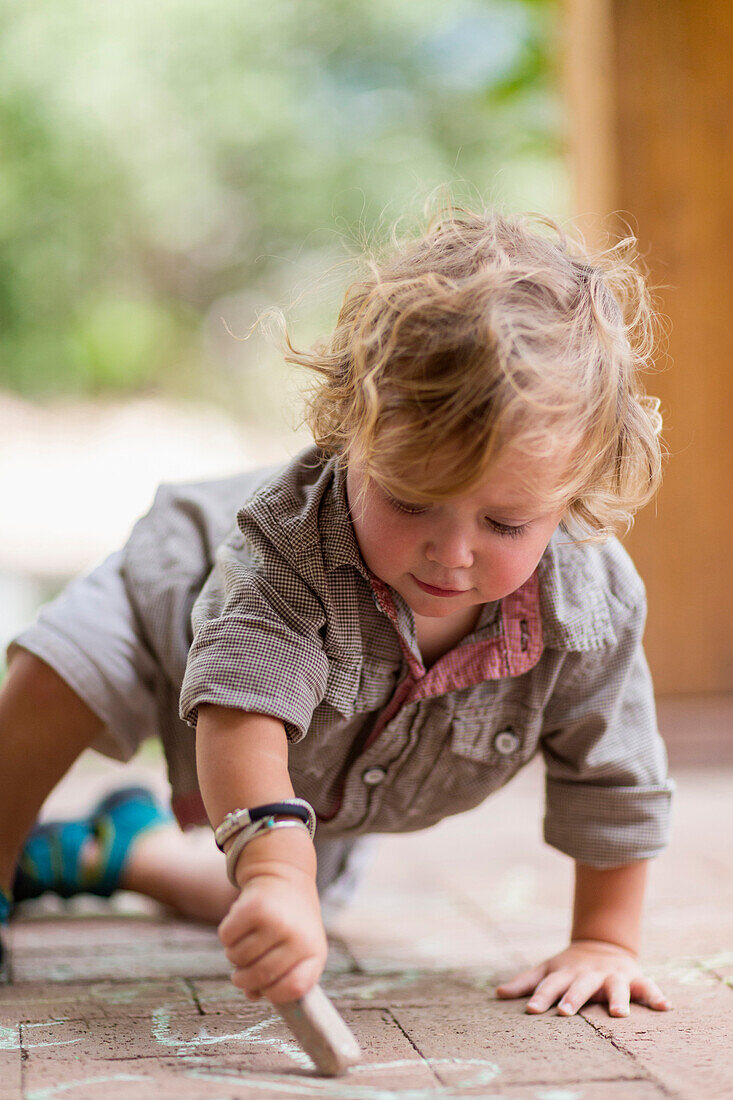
444 558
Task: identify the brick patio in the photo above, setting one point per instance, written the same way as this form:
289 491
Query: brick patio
121 1001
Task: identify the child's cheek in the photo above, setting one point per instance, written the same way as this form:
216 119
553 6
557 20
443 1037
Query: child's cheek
512 566
383 544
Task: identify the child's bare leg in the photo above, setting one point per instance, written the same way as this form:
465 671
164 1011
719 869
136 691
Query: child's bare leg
184 871
44 726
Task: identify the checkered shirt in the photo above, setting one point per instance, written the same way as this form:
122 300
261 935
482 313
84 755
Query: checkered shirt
287 620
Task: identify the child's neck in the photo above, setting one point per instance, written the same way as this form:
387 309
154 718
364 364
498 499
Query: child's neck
437 636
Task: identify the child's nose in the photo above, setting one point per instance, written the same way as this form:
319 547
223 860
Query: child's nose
451 550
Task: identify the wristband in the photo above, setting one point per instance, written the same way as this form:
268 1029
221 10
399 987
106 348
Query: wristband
249 832
289 807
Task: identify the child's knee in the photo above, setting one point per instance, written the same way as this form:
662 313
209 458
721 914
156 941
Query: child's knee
32 683
28 672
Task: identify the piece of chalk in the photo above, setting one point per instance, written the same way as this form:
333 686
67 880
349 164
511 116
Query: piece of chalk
321 1032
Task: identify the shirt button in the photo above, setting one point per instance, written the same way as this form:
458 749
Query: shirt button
506 742
373 776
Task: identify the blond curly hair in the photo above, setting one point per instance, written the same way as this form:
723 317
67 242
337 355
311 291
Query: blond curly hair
487 330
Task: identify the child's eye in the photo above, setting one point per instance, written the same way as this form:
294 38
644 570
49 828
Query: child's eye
505 529
403 506
417 509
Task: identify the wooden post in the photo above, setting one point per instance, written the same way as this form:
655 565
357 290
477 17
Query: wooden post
650 95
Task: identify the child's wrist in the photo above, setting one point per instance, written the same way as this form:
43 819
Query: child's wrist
611 946
284 852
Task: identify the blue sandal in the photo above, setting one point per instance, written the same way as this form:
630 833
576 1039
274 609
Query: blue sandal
118 819
50 861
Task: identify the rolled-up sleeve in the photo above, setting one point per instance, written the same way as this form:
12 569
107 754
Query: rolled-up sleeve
258 638
608 795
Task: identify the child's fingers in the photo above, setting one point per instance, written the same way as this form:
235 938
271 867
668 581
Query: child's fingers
618 993
248 916
523 983
647 992
266 969
548 991
296 982
233 927
253 946
580 990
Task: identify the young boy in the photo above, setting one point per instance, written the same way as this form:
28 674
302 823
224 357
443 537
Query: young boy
398 621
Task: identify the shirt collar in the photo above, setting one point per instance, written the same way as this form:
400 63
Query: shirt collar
340 546
573 599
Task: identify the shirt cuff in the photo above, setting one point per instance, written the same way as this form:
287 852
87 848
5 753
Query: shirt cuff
254 668
607 826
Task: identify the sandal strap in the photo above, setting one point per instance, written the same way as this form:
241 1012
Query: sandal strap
118 820
6 905
50 859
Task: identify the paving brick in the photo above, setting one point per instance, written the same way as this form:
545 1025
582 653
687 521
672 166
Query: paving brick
697 970
720 964
705 926
10 1062
34 1002
363 990
94 949
426 931
239 1048
132 934
546 1049
390 1066
404 987
119 987
163 963
131 1080
688 1050
600 1090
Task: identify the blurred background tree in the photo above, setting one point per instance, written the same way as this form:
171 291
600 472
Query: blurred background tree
168 169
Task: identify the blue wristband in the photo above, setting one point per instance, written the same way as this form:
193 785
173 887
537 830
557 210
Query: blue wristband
5 907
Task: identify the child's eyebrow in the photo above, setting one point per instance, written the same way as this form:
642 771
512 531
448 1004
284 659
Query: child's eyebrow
506 515
516 514
527 510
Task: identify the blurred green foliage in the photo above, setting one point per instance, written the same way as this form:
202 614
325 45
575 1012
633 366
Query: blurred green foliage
166 165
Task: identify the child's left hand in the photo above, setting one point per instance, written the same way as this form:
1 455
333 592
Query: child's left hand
587 970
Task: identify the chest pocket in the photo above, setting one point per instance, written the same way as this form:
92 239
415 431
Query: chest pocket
505 733
342 686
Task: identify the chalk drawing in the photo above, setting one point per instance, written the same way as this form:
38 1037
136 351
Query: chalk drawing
304 1087
52 1091
362 987
117 996
480 1073
369 989
252 1035
558 1094
690 970
10 1037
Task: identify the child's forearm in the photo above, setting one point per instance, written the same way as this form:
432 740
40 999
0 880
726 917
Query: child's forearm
242 761
608 904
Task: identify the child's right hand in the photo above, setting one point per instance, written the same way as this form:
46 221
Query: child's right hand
274 935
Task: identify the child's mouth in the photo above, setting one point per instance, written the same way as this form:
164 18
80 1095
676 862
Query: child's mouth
437 591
